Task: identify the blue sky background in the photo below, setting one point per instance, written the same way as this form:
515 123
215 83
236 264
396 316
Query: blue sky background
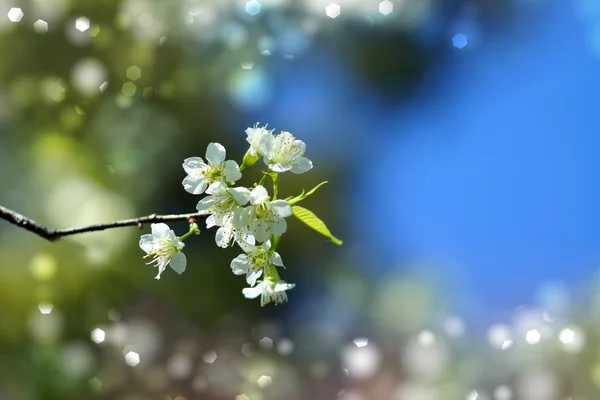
489 175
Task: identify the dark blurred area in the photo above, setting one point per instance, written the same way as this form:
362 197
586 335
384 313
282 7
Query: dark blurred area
458 139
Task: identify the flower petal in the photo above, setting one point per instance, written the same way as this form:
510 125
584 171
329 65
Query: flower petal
240 264
253 292
162 265
279 226
193 165
210 221
265 145
147 243
232 171
178 262
258 195
205 204
281 286
160 230
276 259
215 153
194 185
301 165
252 276
261 231
281 208
279 167
217 188
240 194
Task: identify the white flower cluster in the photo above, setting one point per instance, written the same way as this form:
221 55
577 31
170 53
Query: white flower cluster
246 216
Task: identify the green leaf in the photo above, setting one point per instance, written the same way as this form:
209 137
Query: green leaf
310 219
302 196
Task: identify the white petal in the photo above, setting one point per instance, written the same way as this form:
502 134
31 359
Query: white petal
247 245
261 231
258 195
219 238
241 195
178 262
160 230
266 245
215 153
217 188
276 259
162 265
279 226
301 165
265 145
240 264
281 208
210 221
300 146
194 185
147 243
232 171
281 286
175 240
192 165
205 204
252 276
253 292
280 167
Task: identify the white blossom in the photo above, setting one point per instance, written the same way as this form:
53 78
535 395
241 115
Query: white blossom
256 260
201 174
269 291
285 153
224 206
222 202
264 217
165 249
257 137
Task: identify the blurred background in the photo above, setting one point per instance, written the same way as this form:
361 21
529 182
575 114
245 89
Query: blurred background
460 142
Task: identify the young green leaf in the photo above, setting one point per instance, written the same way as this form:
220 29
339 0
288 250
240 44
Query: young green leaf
310 219
303 195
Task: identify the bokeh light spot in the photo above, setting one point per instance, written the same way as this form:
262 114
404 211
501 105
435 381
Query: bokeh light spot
15 14
82 24
459 40
45 308
386 7
40 26
134 73
503 393
210 357
132 358
253 7
333 10
264 381
533 336
98 335
361 341
129 89
266 343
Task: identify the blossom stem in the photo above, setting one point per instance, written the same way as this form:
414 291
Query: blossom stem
262 180
194 230
274 242
275 178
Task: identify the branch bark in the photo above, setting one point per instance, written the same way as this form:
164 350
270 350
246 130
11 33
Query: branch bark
55 234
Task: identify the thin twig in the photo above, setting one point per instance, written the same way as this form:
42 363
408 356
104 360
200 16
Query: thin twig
55 234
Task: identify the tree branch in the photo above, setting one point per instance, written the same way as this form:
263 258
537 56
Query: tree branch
55 234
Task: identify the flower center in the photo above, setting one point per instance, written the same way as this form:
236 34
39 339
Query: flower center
165 250
263 210
259 258
286 151
213 174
